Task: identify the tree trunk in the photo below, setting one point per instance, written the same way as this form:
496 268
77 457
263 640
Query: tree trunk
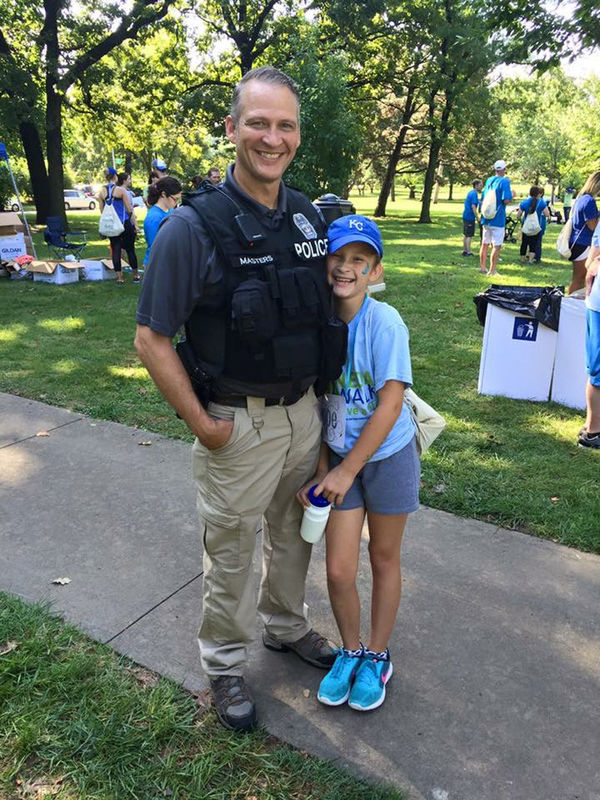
390 172
128 159
451 189
54 150
438 182
32 146
432 165
412 193
393 191
53 112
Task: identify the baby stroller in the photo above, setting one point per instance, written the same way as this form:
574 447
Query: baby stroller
509 228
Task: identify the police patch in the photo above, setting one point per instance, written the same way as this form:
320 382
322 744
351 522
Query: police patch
304 226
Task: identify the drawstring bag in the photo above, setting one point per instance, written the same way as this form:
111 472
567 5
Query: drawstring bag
427 420
110 224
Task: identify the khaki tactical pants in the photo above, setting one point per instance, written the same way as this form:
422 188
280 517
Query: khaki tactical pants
271 453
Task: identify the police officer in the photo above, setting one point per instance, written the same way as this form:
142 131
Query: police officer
242 266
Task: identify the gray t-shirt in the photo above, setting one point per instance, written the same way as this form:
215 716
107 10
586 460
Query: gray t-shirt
184 262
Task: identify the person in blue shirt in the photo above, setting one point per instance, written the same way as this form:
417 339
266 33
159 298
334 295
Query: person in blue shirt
589 435
493 228
369 465
584 217
470 214
163 197
532 204
545 218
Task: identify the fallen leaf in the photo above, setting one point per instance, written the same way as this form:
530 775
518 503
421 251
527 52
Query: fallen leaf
457 305
439 488
144 676
306 692
42 433
142 391
92 424
145 444
7 647
554 499
204 699
42 787
62 581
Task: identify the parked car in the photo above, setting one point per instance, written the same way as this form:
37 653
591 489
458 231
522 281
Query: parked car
78 200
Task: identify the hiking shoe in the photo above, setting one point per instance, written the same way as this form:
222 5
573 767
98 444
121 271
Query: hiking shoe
233 702
312 648
368 689
587 439
335 686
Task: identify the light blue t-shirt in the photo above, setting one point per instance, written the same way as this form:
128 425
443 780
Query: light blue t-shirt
380 354
152 222
472 199
503 190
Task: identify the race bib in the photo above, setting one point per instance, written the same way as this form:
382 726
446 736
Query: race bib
333 414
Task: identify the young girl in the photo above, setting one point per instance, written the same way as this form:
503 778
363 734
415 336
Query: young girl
369 464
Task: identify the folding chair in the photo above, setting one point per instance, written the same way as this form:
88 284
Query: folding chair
59 242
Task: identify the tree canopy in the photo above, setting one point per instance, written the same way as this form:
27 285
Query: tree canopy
392 92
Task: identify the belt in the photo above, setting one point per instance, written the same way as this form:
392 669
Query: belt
241 400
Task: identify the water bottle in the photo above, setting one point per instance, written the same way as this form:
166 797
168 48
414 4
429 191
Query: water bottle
315 517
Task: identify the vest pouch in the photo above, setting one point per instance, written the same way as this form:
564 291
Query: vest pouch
313 305
334 350
289 298
296 355
254 314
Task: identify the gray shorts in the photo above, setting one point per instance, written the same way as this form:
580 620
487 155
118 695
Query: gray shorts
389 486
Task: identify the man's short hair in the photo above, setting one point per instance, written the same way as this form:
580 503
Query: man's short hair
267 75
211 170
477 181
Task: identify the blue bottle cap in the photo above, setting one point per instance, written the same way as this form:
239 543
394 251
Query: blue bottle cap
317 500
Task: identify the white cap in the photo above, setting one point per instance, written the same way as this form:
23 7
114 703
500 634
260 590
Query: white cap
500 164
158 163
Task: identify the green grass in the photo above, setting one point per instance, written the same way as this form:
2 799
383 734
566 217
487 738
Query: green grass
514 463
78 719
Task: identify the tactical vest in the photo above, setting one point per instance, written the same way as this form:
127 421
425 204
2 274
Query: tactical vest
267 320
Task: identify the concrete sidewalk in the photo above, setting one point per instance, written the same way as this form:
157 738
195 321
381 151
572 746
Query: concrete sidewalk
495 694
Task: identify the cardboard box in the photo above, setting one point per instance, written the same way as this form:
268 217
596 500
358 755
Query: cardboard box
98 270
10 223
58 272
12 246
517 356
570 374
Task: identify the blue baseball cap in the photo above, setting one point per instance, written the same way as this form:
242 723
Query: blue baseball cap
159 164
111 171
354 228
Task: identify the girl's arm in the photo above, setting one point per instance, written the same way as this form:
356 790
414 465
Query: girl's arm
124 195
336 483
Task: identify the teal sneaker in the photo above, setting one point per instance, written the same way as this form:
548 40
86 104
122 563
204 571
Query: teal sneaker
368 690
335 686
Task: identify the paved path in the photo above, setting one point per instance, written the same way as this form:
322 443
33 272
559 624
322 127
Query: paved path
496 693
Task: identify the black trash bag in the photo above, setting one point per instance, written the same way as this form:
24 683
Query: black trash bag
536 302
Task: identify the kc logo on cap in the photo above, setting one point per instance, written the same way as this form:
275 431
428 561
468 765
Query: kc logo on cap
354 228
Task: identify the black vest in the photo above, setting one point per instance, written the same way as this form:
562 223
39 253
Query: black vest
264 322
